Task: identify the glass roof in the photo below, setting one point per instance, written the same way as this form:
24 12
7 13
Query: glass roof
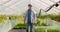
18 7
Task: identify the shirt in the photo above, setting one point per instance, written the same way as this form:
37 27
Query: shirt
29 16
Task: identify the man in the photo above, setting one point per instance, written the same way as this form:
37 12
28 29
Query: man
29 18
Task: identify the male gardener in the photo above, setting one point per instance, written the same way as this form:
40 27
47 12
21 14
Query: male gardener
29 18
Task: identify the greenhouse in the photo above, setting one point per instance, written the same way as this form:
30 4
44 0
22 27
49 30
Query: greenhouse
47 13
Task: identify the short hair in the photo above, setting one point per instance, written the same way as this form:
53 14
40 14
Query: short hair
29 5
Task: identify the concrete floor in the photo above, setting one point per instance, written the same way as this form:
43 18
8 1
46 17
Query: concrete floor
17 30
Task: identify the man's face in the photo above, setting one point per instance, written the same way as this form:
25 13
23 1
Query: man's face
29 7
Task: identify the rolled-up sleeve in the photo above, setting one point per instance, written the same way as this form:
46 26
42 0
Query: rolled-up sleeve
34 15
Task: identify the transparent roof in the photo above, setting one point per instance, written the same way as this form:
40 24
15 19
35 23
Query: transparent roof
18 7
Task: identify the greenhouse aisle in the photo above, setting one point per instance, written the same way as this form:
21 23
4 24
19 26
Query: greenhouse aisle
17 30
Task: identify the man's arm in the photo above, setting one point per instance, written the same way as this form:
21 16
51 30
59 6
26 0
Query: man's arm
25 17
35 17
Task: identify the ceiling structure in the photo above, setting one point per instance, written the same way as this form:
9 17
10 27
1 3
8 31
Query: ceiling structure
17 7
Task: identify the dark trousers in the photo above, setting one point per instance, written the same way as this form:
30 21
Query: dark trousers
27 27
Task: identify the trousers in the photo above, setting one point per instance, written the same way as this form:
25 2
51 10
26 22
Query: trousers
29 25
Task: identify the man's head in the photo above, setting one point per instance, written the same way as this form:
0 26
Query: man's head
29 6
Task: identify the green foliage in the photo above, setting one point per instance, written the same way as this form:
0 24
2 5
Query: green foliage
48 30
42 17
39 30
52 16
13 17
43 24
2 18
20 26
51 30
